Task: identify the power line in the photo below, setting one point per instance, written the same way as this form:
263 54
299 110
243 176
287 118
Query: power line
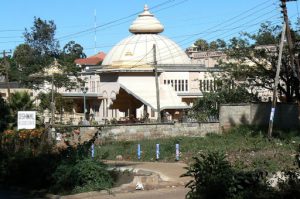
113 21
204 32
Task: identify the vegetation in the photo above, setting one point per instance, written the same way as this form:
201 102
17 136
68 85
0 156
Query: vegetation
4 118
31 60
61 104
29 161
245 148
256 57
214 177
203 45
208 106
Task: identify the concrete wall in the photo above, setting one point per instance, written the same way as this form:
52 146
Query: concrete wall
258 114
137 132
234 114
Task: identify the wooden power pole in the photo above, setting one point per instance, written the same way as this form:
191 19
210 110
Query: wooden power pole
156 84
6 66
294 62
274 100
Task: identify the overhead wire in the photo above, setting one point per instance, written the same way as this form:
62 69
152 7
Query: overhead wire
204 32
114 21
166 56
191 38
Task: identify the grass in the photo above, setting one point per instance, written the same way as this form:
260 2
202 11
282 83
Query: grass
244 147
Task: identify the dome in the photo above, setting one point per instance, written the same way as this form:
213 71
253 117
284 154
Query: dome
137 49
146 23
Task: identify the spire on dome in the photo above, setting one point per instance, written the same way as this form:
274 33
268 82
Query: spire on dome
146 7
146 23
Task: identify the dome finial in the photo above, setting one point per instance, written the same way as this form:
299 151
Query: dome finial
146 23
146 7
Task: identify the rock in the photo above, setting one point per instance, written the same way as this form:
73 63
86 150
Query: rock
119 157
139 186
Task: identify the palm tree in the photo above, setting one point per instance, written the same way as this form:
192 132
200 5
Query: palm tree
20 101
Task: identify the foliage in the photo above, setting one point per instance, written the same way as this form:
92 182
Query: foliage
81 176
20 101
28 160
13 141
41 37
32 59
4 110
243 145
203 45
254 59
61 104
214 177
208 106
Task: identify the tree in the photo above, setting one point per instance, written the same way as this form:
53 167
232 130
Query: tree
221 44
4 116
41 37
255 65
61 104
207 107
20 101
38 54
213 45
202 44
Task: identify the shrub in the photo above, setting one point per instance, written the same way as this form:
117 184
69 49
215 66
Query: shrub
214 177
83 175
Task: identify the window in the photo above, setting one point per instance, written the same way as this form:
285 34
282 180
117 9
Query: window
204 85
168 81
201 85
186 85
211 85
215 85
172 83
176 85
207 84
165 81
182 85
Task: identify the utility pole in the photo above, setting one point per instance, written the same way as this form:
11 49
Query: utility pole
6 68
290 41
156 84
272 114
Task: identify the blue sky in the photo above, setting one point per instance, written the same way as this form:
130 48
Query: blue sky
184 20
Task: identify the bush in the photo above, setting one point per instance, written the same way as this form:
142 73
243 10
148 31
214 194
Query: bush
215 178
83 175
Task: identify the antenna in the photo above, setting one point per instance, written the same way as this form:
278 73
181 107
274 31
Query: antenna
95 32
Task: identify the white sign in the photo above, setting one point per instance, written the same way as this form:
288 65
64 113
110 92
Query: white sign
26 120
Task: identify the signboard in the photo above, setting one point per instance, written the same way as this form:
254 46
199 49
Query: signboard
26 119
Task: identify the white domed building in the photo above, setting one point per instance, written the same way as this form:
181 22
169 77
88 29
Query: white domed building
127 84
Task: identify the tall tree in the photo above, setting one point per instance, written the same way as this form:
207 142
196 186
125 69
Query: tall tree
38 54
41 37
254 63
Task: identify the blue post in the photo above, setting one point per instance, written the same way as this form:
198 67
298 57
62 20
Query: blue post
93 150
177 152
139 151
157 151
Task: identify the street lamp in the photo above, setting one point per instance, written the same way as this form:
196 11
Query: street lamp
84 90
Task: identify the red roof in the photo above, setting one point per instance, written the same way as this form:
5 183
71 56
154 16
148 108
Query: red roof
92 60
